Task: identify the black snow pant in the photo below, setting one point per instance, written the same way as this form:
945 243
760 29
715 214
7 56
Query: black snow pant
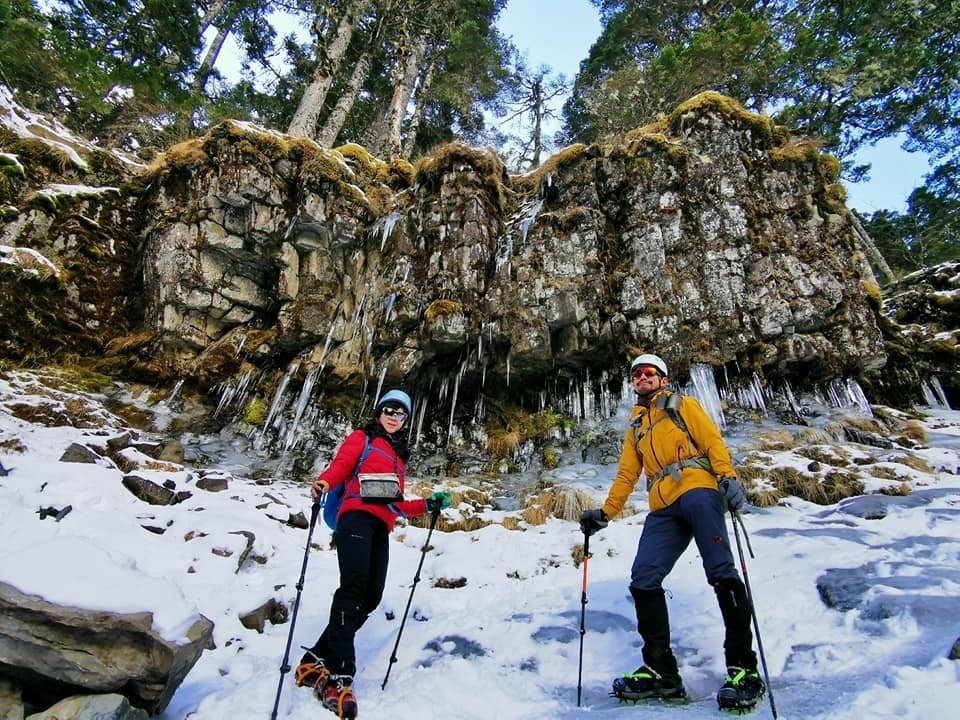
363 554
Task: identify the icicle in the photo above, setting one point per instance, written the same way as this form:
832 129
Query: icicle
291 227
453 401
383 374
389 307
478 410
356 313
227 393
856 395
589 400
528 221
606 400
301 406
233 394
388 222
933 394
703 386
792 401
749 396
278 397
173 393
508 369
420 406
847 393
504 250
243 340
326 344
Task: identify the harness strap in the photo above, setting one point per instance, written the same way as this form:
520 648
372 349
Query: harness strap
701 461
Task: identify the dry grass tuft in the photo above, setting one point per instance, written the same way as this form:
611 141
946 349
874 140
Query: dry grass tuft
777 440
900 490
913 462
502 443
833 487
557 501
816 436
826 454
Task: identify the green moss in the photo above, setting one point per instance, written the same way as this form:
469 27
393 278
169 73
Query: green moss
836 192
44 201
654 137
36 152
182 156
452 157
829 168
363 163
254 140
440 308
551 459
873 293
74 379
567 156
796 152
400 174
728 107
256 411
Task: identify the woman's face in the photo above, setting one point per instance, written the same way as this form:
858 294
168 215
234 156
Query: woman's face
392 419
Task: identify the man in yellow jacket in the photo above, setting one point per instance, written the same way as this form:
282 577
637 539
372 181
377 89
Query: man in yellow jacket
690 476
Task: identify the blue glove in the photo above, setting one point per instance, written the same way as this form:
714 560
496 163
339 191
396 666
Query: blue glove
438 501
592 520
732 493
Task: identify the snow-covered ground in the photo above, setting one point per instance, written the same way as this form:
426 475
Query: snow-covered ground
505 641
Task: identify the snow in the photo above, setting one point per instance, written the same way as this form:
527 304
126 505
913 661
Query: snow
506 644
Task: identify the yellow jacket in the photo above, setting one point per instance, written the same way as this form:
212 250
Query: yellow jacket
654 443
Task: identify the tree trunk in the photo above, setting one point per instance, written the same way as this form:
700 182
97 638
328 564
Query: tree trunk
423 92
304 122
210 57
207 20
338 116
870 248
390 143
538 110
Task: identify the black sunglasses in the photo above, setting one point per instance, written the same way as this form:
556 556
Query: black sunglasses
395 413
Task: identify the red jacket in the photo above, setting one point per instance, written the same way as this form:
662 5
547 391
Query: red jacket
380 459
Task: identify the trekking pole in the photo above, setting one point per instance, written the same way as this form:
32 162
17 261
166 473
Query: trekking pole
285 666
583 614
753 611
739 518
416 579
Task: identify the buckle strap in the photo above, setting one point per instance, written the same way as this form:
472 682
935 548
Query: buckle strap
313 674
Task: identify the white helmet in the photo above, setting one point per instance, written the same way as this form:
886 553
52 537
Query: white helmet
652 361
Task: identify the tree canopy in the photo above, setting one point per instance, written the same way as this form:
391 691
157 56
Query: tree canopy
846 73
400 76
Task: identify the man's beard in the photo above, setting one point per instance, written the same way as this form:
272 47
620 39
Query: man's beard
644 398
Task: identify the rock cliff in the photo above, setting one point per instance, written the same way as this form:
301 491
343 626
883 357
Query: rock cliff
712 236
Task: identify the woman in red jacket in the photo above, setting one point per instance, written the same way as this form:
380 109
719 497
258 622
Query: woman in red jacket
361 538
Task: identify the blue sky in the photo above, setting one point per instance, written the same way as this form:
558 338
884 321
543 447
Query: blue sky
559 33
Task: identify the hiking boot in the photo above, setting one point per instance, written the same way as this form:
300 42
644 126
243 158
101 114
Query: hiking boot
337 696
741 690
645 682
311 672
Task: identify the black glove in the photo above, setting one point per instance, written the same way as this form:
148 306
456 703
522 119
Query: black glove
732 493
592 520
